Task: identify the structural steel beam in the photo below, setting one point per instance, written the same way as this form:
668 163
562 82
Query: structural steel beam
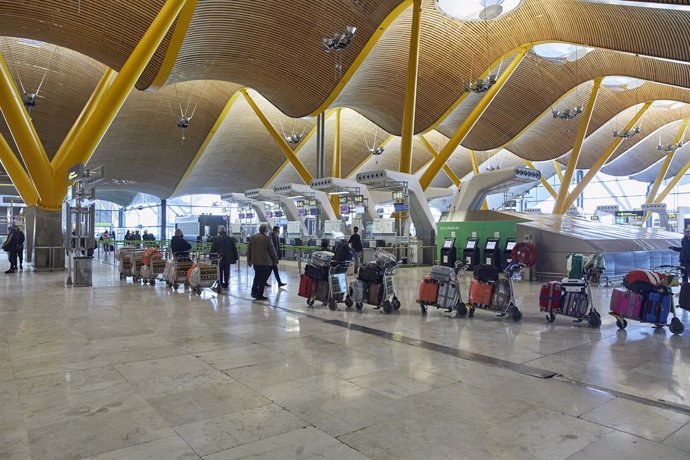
21 180
603 159
336 169
405 165
179 33
543 181
282 143
103 115
209 137
24 133
470 121
559 207
446 169
557 167
666 164
671 185
475 170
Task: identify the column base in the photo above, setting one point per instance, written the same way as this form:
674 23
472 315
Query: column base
48 245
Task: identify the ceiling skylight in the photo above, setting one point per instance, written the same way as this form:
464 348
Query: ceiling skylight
620 83
476 10
560 51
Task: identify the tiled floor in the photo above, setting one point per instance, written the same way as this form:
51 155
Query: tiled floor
129 371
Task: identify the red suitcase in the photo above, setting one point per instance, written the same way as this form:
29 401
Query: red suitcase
428 291
480 293
550 296
626 303
307 284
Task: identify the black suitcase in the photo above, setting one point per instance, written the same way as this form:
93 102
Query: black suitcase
375 294
486 273
371 273
318 273
684 297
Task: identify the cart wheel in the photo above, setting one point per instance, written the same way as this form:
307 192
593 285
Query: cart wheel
551 317
310 302
145 282
423 307
387 307
122 277
594 319
396 303
517 314
621 323
348 302
332 305
462 310
359 306
152 282
676 326
175 286
470 313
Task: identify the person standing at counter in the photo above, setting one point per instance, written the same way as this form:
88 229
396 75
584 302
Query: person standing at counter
356 243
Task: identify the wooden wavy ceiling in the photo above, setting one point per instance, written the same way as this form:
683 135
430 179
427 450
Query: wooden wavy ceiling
274 47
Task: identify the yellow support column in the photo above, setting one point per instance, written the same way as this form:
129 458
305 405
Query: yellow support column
557 167
411 90
603 159
543 181
666 164
24 133
671 185
21 180
103 115
446 169
464 129
282 143
559 207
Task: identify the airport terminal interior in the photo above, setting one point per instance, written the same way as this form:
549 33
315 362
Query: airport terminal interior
344 229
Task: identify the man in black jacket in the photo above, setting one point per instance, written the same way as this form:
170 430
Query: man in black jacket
179 246
684 250
225 247
356 243
10 246
275 239
21 239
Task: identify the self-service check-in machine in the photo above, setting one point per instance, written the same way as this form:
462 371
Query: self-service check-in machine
492 252
448 255
471 252
508 251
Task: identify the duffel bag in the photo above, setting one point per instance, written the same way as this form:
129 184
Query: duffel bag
371 273
486 273
316 272
441 273
321 258
642 281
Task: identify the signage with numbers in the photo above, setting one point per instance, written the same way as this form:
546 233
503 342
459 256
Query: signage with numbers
342 200
398 196
358 199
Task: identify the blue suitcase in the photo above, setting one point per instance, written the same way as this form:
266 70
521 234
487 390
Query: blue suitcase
657 307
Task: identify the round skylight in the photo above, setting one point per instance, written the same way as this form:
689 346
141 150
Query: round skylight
619 83
560 51
667 104
476 10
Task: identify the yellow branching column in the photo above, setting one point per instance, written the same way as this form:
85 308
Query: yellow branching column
559 207
411 90
21 180
666 164
543 181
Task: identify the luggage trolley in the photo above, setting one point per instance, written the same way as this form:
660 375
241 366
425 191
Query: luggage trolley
362 290
124 264
155 267
663 305
337 285
177 271
441 289
205 274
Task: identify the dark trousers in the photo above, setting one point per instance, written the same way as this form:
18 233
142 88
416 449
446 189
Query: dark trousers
12 255
20 255
224 272
261 274
276 273
685 271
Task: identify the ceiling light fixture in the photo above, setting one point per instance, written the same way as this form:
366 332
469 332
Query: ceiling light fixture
481 85
567 114
628 133
339 41
293 139
669 147
376 151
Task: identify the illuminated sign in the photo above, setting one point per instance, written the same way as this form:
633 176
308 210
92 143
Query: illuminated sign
313 203
594 217
358 198
299 204
398 196
75 172
342 200
634 214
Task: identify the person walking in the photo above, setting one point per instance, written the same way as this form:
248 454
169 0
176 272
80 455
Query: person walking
275 240
179 246
356 243
262 256
684 256
10 247
21 239
226 248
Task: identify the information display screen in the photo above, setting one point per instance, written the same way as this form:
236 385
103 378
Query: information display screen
447 244
491 245
314 212
241 215
399 207
471 244
358 199
278 214
510 245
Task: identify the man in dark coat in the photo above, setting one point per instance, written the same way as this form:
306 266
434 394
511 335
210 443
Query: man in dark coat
684 256
179 246
10 246
262 256
225 247
356 243
275 239
21 239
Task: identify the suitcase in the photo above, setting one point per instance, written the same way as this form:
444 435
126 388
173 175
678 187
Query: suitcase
441 273
550 296
501 294
447 295
684 296
576 265
321 258
375 294
626 303
486 273
428 291
306 286
480 293
321 293
358 291
656 307
318 273
370 273
575 304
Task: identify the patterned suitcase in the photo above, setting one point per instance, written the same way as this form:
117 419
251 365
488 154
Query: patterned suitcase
550 296
501 295
428 291
575 304
358 291
448 295
480 293
626 303
321 258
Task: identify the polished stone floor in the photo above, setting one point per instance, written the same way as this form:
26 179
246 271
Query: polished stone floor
122 371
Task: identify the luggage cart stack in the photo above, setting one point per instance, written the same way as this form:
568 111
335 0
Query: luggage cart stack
315 281
177 269
154 266
204 274
375 284
124 262
441 289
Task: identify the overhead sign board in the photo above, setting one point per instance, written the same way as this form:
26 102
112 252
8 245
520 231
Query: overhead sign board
75 172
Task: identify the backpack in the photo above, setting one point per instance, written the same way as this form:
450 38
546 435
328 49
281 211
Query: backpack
642 281
343 253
